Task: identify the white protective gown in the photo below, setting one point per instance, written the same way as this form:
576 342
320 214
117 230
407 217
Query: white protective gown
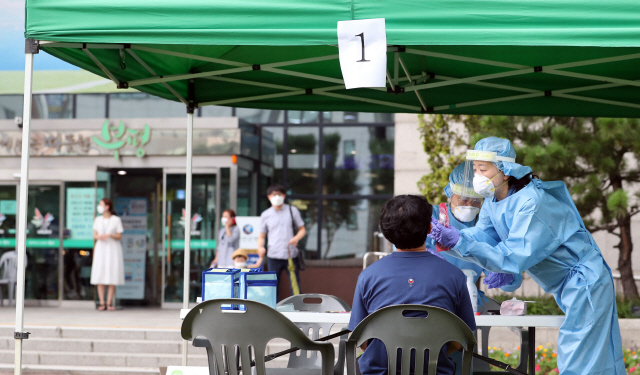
538 230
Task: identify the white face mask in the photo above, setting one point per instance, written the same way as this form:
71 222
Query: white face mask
100 209
484 185
277 200
465 214
224 220
239 264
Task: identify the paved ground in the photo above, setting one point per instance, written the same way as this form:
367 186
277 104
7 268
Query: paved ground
90 317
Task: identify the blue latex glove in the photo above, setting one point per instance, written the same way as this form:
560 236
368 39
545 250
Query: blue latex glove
446 236
435 253
496 279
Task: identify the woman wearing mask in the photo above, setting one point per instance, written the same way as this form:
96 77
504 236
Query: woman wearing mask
108 265
463 208
529 225
228 240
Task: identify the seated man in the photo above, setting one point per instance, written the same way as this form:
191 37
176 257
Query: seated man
410 275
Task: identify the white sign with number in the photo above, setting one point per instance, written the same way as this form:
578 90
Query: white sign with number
362 46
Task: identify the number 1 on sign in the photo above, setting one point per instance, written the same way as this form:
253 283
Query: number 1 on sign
361 35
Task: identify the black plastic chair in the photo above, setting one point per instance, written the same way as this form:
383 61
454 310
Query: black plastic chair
396 331
229 334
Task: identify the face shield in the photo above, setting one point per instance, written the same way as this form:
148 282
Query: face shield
465 205
479 182
467 196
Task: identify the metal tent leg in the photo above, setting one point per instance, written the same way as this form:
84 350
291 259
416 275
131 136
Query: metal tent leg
187 223
31 48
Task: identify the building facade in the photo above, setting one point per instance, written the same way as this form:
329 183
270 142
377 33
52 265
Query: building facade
130 147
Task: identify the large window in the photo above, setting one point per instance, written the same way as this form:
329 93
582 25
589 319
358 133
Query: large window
10 106
141 105
338 168
91 106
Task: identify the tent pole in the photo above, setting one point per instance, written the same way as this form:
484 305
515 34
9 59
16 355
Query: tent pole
101 66
148 68
31 48
187 223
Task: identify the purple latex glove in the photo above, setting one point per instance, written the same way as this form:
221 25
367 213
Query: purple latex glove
496 279
445 236
435 253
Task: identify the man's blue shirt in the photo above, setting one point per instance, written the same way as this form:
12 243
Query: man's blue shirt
419 278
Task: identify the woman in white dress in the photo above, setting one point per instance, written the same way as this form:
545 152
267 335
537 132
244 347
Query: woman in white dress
108 264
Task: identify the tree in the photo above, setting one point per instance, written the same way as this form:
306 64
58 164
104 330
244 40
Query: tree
440 141
597 159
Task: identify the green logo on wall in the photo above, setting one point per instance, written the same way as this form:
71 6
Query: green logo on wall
176 372
116 137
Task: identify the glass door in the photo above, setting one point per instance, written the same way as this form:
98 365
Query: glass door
80 201
204 222
44 233
8 213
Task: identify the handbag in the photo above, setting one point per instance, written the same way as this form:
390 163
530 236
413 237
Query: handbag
301 264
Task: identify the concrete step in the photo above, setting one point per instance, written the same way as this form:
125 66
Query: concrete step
197 357
114 346
97 346
106 350
107 333
7 369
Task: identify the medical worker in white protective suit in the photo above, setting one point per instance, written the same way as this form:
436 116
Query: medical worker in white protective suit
526 224
463 209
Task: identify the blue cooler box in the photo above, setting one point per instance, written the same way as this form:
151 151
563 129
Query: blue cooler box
220 283
258 286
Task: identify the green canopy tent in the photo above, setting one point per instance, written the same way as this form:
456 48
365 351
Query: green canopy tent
508 57
462 56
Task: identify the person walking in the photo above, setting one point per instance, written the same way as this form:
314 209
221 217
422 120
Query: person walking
228 240
278 222
108 265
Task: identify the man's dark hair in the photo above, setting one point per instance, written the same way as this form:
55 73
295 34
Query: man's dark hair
405 219
277 187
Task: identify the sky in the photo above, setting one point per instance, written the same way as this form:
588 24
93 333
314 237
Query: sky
12 41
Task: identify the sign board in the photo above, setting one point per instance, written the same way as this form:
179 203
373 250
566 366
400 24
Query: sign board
81 206
118 139
362 46
133 213
249 227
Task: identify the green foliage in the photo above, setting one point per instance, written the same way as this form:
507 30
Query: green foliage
624 308
439 142
617 203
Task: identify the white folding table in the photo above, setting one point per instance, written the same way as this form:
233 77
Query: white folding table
530 322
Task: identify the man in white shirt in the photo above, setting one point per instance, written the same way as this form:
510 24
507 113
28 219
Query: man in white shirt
278 222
